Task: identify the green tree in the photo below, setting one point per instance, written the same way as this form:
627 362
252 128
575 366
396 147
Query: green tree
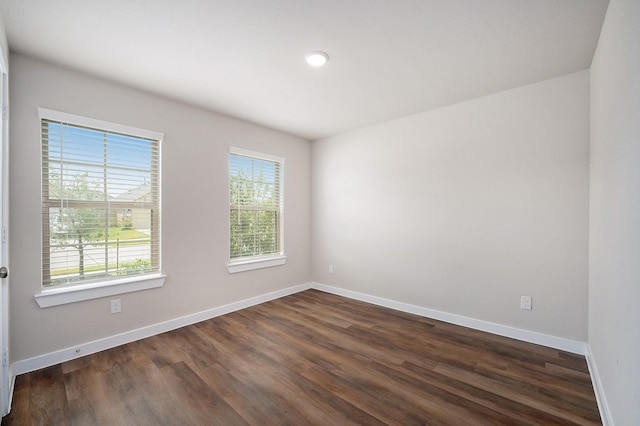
76 226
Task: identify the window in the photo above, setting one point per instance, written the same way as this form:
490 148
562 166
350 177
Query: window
100 200
255 197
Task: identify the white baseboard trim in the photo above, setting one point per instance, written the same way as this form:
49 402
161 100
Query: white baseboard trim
603 406
12 386
568 345
67 354
53 358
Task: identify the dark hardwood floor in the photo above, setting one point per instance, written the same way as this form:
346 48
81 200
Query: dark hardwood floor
312 359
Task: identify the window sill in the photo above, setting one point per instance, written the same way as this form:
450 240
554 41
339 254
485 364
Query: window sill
255 263
78 293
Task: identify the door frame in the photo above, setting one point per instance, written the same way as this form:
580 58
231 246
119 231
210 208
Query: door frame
6 375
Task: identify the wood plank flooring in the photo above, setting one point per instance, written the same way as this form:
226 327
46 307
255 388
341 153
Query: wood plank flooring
312 359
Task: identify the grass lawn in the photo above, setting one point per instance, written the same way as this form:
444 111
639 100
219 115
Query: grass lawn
125 234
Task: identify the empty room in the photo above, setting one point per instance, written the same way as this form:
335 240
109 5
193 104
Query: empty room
320 212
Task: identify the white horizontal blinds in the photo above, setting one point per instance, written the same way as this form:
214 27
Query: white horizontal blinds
255 210
100 203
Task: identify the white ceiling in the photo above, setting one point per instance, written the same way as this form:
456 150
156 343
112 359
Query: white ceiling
245 58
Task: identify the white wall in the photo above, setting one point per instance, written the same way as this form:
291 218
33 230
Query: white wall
465 208
194 216
3 41
614 287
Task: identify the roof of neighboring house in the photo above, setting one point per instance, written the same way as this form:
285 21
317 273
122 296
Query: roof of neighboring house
140 193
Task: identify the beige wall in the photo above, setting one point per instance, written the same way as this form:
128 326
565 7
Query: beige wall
195 208
614 274
465 208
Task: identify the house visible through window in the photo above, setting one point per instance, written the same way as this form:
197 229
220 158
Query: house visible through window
100 200
255 194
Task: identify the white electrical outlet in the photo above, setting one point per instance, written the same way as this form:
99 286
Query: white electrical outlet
331 269
525 302
116 306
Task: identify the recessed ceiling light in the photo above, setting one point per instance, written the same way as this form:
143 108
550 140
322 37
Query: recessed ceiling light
316 59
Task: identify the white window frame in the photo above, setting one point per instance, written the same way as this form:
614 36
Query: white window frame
92 289
250 263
